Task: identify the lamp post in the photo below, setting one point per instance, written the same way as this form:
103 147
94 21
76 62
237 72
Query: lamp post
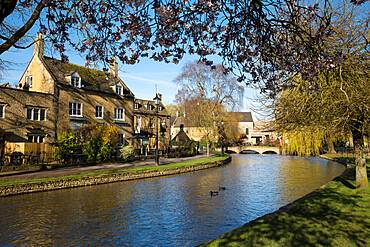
156 102
222 137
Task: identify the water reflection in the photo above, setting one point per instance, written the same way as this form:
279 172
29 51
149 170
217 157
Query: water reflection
168 211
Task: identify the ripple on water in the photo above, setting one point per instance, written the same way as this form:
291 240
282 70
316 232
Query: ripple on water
167 211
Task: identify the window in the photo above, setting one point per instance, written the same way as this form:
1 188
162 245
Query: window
246 131
1 111
75 81
36 114
119 89
99 111
29 81
136 106
160 108
151 123
149 107
121 138
36 138
119 113
75 109
138 122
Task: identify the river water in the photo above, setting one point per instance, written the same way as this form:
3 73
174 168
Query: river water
166 211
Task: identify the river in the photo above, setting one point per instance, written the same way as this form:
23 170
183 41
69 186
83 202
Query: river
165 211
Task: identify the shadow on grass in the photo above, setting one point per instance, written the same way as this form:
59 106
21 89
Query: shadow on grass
345 183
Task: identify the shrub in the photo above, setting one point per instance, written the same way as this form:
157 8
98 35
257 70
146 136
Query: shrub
127 153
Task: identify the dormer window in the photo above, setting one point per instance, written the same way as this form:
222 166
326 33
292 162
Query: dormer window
119 89
149 107
75 80
29 81
136 106
160 108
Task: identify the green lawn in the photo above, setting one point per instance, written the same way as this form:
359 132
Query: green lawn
338 215
134 169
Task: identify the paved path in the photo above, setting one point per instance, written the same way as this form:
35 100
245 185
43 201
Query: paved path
58 172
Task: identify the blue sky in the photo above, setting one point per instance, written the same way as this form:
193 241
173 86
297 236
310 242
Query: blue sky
141 78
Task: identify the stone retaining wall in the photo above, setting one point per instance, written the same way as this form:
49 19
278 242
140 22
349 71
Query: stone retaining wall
15 189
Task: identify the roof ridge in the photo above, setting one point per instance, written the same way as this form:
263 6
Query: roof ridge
76 65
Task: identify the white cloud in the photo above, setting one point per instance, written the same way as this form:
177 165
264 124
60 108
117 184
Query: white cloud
154 81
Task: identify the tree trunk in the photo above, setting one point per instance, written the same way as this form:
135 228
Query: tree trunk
207 149
329 142
360 161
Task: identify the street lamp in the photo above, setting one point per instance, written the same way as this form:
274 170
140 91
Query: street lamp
156 102
222 137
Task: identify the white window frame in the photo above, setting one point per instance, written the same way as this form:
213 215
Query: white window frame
119 89
74 105
35 114
29 80
102 112
119 113
36 138
75 80
121 138
149 107
138 121
136 106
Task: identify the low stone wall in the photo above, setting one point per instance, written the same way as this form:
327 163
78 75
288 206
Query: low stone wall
15 189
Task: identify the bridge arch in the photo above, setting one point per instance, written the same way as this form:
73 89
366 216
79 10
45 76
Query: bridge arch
256 149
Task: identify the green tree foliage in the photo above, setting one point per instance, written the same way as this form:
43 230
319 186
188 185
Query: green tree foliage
338 101
67 143
96 141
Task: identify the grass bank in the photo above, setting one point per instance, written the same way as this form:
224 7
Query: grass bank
338 215
115 171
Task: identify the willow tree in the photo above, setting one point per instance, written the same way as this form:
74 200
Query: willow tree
338 100
206 95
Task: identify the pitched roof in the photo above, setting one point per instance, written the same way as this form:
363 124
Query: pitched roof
244 116
90 78
144 109
264 126
182 120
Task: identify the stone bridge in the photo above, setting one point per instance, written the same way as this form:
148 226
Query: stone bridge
258 149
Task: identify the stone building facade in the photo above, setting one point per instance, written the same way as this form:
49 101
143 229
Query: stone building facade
145 121
53 97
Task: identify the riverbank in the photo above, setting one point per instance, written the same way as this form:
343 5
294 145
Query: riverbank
14 184
335 215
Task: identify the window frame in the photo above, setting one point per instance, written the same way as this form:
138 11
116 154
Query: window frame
35 114
75 103
136 106
73 81
121 138
119 89
116 115
36 138
101 112
29 80
2 111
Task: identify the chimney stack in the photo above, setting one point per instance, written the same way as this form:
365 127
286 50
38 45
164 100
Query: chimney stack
38 46
113 69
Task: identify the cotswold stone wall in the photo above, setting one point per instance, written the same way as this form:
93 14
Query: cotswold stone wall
15 189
